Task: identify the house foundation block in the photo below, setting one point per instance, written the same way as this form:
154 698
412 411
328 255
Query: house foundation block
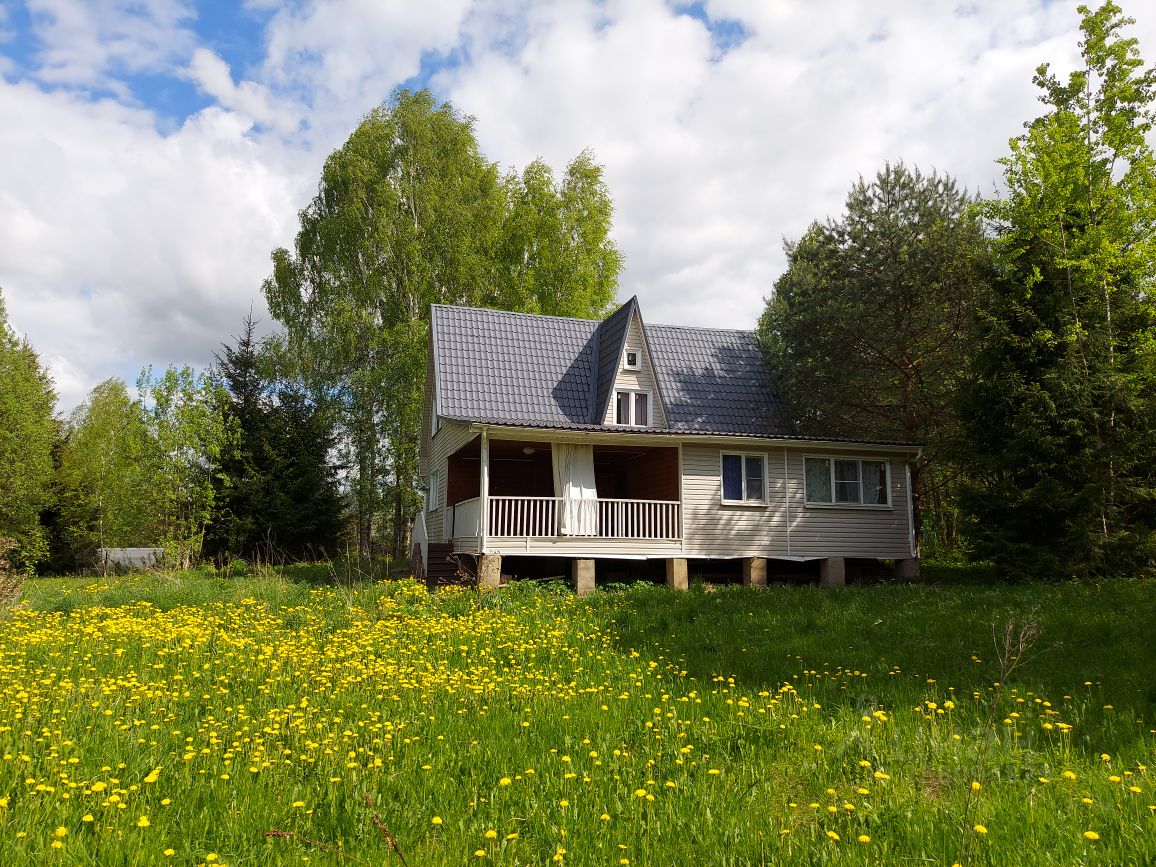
489 571
583 571
676 573
907 570
833 572
754 572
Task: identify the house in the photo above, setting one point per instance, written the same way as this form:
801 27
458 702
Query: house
570 438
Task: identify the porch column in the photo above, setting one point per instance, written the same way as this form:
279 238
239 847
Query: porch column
489 571
833 572
907 570
676 573
484 495
583 571
754 572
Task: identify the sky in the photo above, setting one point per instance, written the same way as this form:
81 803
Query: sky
154 152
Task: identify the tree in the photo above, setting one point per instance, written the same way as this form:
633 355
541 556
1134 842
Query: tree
276 491
410 213
27 436
104 474
189 434
868 330
1061 416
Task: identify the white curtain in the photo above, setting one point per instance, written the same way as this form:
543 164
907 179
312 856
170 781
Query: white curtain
574 483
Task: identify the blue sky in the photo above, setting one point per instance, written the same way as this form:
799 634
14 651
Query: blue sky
154 152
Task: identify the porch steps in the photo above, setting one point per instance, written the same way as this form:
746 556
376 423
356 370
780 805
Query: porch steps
441 569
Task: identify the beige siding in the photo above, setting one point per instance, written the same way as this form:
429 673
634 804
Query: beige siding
712 529
637 380
849 531
450 437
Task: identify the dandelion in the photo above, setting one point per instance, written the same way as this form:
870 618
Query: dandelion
169 853
436 820
980 829
505 781
87 817
512 836
491 834
831 835
1091 835
864 839
480 853
605 817
976 786
563 803
142 822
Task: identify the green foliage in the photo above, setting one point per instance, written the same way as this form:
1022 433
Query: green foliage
276 492
868 330
409 213
189 434
104 474
28 433
1061 417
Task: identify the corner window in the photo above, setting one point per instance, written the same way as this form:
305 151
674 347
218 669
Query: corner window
744 478
631 359
632 408
432 501
847 482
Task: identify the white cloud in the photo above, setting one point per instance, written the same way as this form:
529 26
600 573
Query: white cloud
124 241
87 42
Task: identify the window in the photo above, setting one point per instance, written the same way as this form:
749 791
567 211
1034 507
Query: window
432 502
744 478
846 482
631 359
632 408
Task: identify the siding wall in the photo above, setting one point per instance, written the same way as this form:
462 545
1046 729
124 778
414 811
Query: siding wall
712 529
449 438
639 380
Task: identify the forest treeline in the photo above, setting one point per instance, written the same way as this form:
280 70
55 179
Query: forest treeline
1013 336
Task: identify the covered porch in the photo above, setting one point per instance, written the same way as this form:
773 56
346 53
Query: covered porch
532 496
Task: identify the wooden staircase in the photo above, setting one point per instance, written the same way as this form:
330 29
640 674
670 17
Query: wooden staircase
442 569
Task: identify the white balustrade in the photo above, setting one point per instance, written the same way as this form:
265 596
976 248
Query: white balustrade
616 519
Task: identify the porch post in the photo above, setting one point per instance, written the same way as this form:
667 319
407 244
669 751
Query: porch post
754 571
484 493
833 572
676 578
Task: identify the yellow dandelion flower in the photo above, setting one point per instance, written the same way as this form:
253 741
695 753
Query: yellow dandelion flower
491 834
864 839
169 853
1091 835
480 853
505 781
87 817
980 829
56 844
60 832
436 820
563 803
831 835
976 785
513 836
142 822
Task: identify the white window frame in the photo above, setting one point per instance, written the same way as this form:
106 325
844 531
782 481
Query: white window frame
626 365
432 501
633 405
830 459
745 501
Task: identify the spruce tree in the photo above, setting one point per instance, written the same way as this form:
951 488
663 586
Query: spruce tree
1061 415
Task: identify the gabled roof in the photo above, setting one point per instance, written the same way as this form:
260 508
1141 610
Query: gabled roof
546 371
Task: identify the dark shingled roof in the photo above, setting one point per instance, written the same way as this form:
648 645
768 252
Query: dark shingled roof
547 371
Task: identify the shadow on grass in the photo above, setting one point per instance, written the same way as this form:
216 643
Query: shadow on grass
1096 633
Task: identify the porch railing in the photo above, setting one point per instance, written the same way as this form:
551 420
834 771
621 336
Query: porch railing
465 519
607 518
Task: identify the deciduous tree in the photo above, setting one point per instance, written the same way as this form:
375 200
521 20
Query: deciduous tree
410 213
27 435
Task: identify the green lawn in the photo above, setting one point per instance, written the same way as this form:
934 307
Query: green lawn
263 719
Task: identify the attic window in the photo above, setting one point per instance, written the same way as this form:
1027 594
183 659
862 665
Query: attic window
632 359
632 408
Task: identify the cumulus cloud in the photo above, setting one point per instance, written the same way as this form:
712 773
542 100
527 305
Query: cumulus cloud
725 125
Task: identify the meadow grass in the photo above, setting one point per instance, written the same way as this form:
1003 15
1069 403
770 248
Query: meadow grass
268 718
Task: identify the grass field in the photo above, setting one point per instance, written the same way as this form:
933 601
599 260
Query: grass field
243 720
